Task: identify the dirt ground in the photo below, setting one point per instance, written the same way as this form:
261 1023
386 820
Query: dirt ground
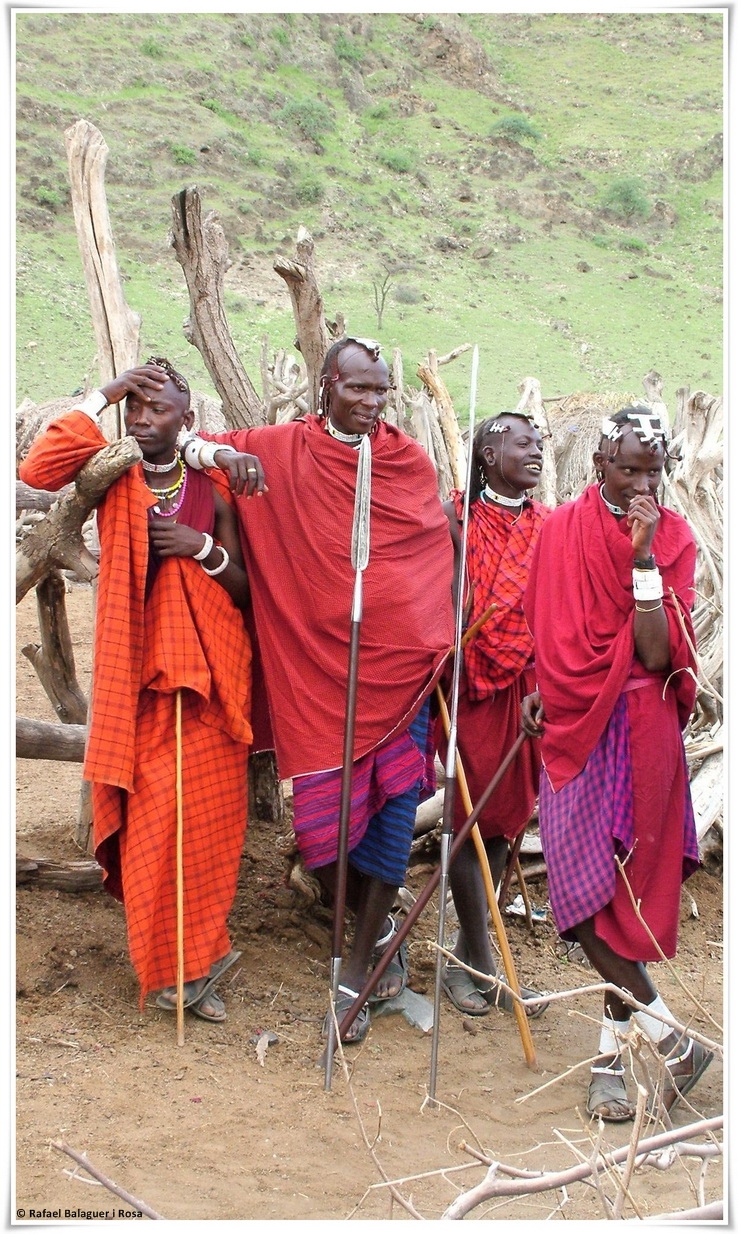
208 1131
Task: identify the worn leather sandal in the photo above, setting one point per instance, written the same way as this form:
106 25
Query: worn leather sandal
360 1027
458 984
607 1097
397 966
677 1083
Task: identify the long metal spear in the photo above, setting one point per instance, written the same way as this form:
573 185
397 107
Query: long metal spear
359 561
449 793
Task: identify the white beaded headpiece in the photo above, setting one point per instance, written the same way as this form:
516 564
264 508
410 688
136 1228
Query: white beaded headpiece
644 424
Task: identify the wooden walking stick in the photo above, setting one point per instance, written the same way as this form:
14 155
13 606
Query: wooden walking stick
180 874
494 908
359 561
398 939
448 798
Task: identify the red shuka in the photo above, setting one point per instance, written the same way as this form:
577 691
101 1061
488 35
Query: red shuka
579 605
297 544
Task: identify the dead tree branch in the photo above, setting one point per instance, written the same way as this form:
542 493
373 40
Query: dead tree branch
57 541
535 1182
64 743
106 1182
53 660
307 307
116 326
202 252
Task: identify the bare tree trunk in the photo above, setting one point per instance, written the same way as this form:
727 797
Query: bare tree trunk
428 374
307 306
202 252
57 541
64 743
53 660
265 804
116 326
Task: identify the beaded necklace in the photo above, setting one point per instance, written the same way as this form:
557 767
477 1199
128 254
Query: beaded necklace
170 494
489 494
351 439
147 466
613 509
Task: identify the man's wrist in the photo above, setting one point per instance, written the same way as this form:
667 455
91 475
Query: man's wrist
93 404
644 563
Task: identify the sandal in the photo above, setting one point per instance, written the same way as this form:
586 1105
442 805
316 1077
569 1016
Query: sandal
211 999
358 1030
458 984
607 1097
397 966
678 1084
496 996
194 997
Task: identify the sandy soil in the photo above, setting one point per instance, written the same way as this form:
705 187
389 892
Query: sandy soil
207 1131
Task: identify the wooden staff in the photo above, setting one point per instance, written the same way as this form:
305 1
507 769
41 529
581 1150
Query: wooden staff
494 908
513 862
448 796
359 561
180 875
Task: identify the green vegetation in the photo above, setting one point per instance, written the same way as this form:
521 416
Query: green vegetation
515 128
627 198
282 131
182 155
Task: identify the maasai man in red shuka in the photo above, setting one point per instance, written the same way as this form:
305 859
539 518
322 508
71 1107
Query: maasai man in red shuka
297 543
171 589
498 671
609 598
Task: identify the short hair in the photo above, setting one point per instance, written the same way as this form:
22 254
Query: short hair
171 372
329 372
487 429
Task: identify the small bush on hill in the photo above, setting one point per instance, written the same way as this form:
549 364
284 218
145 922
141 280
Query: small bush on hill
633 245
602 242
396 160
48 197
404 293
311 117
152 47
626 198
182 155
309 190
347 50
217 108
380 111
515 128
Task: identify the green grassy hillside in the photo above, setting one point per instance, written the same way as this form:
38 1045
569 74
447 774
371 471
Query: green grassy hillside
548 186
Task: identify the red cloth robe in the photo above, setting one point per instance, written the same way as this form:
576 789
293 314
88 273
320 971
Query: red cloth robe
297 544
580 607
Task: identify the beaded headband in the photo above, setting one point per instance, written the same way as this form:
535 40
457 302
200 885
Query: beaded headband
647 427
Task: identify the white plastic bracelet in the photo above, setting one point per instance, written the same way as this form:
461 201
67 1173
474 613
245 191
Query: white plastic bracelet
218 569
647 585
206 549
200 454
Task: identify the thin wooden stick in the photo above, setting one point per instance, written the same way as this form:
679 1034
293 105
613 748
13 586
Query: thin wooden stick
106 1182
524 893
494 908
180 877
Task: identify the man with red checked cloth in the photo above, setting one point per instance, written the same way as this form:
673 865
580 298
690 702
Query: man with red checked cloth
609 598
169 622
498 671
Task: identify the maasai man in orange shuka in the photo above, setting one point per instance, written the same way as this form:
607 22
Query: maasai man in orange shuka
171 589
297 544
497 672
609 598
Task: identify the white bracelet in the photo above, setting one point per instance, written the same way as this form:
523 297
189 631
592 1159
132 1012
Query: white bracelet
93 404
200 454
206 549
647 584
218 569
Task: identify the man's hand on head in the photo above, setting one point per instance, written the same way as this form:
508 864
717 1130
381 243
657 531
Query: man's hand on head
145 382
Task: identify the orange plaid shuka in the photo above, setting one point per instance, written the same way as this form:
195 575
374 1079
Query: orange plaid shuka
187 634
